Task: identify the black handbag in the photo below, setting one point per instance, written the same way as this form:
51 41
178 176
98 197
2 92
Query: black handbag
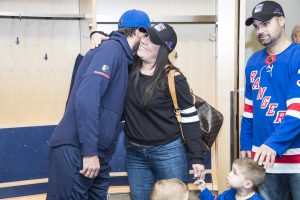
210 118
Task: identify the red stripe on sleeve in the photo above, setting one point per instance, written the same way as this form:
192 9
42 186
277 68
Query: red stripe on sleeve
248 108
284 159
100 73
294 106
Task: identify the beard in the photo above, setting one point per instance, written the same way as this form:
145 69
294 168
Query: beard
268 40
265 40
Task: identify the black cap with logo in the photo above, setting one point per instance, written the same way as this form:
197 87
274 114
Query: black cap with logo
265 11
162 34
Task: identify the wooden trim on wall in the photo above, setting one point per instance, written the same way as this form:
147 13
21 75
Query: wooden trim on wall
226 82
45 180
87 25
112 190
174 19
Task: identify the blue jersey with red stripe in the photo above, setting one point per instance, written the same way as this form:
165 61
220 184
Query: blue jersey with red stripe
272 107
95 105
226 195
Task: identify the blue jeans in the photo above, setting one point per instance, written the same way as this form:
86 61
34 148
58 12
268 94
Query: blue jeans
146 165
65 181
278 187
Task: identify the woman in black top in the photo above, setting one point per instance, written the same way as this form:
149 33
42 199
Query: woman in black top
155 150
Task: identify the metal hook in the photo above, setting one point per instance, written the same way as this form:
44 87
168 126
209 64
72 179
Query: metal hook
176 55
212 37
45 57
90 25
17 41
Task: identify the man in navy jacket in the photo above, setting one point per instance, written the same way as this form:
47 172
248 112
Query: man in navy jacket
82 140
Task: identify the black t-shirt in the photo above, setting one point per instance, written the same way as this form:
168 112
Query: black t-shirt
156 124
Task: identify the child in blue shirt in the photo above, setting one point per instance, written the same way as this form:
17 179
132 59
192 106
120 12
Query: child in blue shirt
245 177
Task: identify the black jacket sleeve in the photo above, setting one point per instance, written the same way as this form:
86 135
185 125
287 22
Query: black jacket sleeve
190 121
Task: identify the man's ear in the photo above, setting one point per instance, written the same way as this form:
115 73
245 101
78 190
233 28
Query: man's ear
137 33
281 21
248 184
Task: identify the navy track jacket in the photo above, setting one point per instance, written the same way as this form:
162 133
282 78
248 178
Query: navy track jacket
96 101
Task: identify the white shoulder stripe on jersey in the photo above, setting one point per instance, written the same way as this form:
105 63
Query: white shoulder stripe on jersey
254 148
293 113
189 110
279 168
247 115
284 167
293 100
293 151
248 102
194 118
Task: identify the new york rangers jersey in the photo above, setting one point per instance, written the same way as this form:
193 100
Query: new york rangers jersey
272 107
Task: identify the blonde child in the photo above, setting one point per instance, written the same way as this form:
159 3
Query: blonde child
245 177
170 189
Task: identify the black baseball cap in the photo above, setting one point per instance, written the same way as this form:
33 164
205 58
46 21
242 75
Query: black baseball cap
162 34
265 11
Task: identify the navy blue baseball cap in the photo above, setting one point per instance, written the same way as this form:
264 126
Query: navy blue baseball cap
134 19
265 11
162 34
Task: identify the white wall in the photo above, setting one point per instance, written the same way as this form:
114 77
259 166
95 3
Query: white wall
40 6
33 91
157 7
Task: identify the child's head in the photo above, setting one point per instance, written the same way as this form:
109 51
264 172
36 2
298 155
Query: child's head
246 173
171 189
